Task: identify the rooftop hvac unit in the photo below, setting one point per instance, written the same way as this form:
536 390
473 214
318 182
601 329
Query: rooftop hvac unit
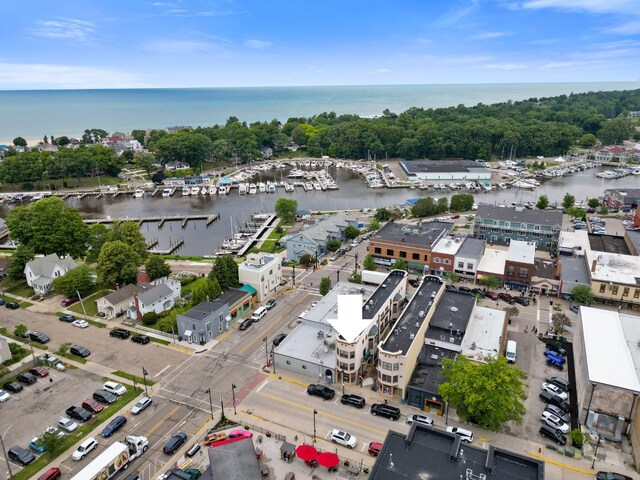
412 336
421 313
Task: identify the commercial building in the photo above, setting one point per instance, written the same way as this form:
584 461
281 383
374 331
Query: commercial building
263 272
445 171
520 264
573 272
443 255
468 257
409 242
614 278
234 460
621 197
492 264
431 453
546 277
502 224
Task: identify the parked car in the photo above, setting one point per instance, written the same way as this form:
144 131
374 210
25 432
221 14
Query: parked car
343 438
553 421
143 403
277 340
246 323
13 387
414 283
505 297
80 323
36 445
193 450
92 406
611 476
558 412
478 291
69 300
174 443
39 337
84 448
559 381
421 419
557 349
21 455
522 300
115 388
491 295
575 309
385 410
321 391
270 304
551 388
80 351
39 371
67 318
141 339
120 333
240 433
12 306
451 288
555 364
113 426
554 356
553 434
4 396
78 413
463 288
374 449
104 397
53 473
27 378
465 435
552 398
353 400
133 476
67 424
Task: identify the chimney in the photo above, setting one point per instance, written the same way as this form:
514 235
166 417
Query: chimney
594 263
137 305
558 269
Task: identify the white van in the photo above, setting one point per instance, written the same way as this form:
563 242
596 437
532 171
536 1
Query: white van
511 351
259 313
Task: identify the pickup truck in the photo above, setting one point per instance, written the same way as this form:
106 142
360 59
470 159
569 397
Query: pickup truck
78 413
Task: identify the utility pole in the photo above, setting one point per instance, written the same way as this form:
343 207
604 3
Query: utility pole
233 394
6 459
315 412
144 377
82 303
208 390
266 351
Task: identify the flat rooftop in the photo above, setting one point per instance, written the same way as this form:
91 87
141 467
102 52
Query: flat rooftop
493 261
612 267
451 317
306 342
471 247
577 241
522 252
573 272
545 268
483 336
441 166
447 246
381 295
426 234
234 461
427 375
433 454
609 244
634 239
327 306
404 331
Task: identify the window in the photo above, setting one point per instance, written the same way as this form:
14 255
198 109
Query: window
436 259
377 250
523 273
469 266
460 264
396 367
511 272
625 292
395 379
615 290
507 224
403 254
415 256
602 287
447 261
208 327
352 366
390 252
288 362
536 227
636 293
219 327
386 366
426 258
352 354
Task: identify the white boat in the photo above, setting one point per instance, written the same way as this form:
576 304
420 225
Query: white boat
138 193
222 190
242 189
523 184
253 189
262 188
317 186
212 190
204 190
271 188
289 188
295 173
195 190
166 192
37 196
185 191
606 174
502 185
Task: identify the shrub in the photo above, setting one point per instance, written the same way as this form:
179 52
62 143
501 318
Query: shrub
149 318
20 330
187 280
577 438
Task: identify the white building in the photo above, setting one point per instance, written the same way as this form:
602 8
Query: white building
160 297
263 272
468 257
445 171
41 271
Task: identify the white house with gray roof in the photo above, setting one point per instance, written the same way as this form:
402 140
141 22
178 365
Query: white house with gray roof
41 271
162 296
313 240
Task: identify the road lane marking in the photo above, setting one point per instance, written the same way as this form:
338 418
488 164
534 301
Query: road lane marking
264 384
164 419
161 371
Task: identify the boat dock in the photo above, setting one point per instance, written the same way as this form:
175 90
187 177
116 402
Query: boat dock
160 219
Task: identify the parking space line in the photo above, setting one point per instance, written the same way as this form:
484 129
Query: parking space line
161 371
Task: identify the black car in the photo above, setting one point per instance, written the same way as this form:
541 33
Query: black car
12 305
559 381
505 297
321 391
79 351
270 304
102 396
478 291
27 378
21 455
113 426
246 323
524 301
611 476
575 309
551 398
553 434
384 410
141 339
120 333
354 400
451 288
67 318
462 288
277 340
175 443
78 413
39 337
13 387
414 283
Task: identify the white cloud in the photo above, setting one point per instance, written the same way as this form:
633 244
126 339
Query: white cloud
257 43
558 65
456 13
379 70
40 75
592 6
628 28
507 66
489 35
466 59
184 47
63 28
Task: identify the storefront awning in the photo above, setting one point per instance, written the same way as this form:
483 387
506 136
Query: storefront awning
246 302
249 289
188 333
233 311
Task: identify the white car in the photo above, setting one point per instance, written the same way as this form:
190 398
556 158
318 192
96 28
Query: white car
67 424
143 403
54 430
4 396
465 435
84 448
115 388
556 390
343 438
80 323
421 419
554 422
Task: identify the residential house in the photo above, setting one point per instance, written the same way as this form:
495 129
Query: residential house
119 302
468 257
612 153
176 165
41 271
313 240
160 297
500 225
263 272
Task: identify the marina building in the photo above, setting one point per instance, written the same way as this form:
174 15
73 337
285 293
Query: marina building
445 171
502 224
263 272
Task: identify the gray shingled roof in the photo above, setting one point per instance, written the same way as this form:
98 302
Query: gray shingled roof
330 226
509 214
124 293
153 294
47 264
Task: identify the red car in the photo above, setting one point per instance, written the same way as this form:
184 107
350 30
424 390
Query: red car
51 474
374 449
92 406
491 295
69 300
505 297
39 371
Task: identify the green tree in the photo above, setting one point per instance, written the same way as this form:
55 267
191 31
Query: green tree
461 202
442 205
488 394
50 440
139 135
333 245
593 202
369 263
374 225
117 264
19 259
355 277
79 279
49 226
225 271
19 142
588 140
156 267
400 264
351 232
325 285
210 290
63 349
568 201
615 131
187 147
98 235
425 207
382 215
306 260
490 281
543 202
576 212
129 233
146 161
582 294
286 209
603 210
20 330
63 141
453 277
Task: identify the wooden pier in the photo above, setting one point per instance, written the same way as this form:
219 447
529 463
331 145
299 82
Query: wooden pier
161 219
256 236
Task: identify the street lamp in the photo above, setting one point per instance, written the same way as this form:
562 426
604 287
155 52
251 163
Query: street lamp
233 394
208 390
6 459
266 351
144 378
595 455
315 412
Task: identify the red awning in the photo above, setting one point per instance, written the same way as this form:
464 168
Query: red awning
246 302
233 311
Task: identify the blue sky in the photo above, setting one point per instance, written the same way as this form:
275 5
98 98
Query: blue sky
200 43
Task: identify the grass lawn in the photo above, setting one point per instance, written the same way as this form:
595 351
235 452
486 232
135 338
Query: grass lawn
90 303
19 288
133 378
59 184
71 439
25 304
160 341
73 357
